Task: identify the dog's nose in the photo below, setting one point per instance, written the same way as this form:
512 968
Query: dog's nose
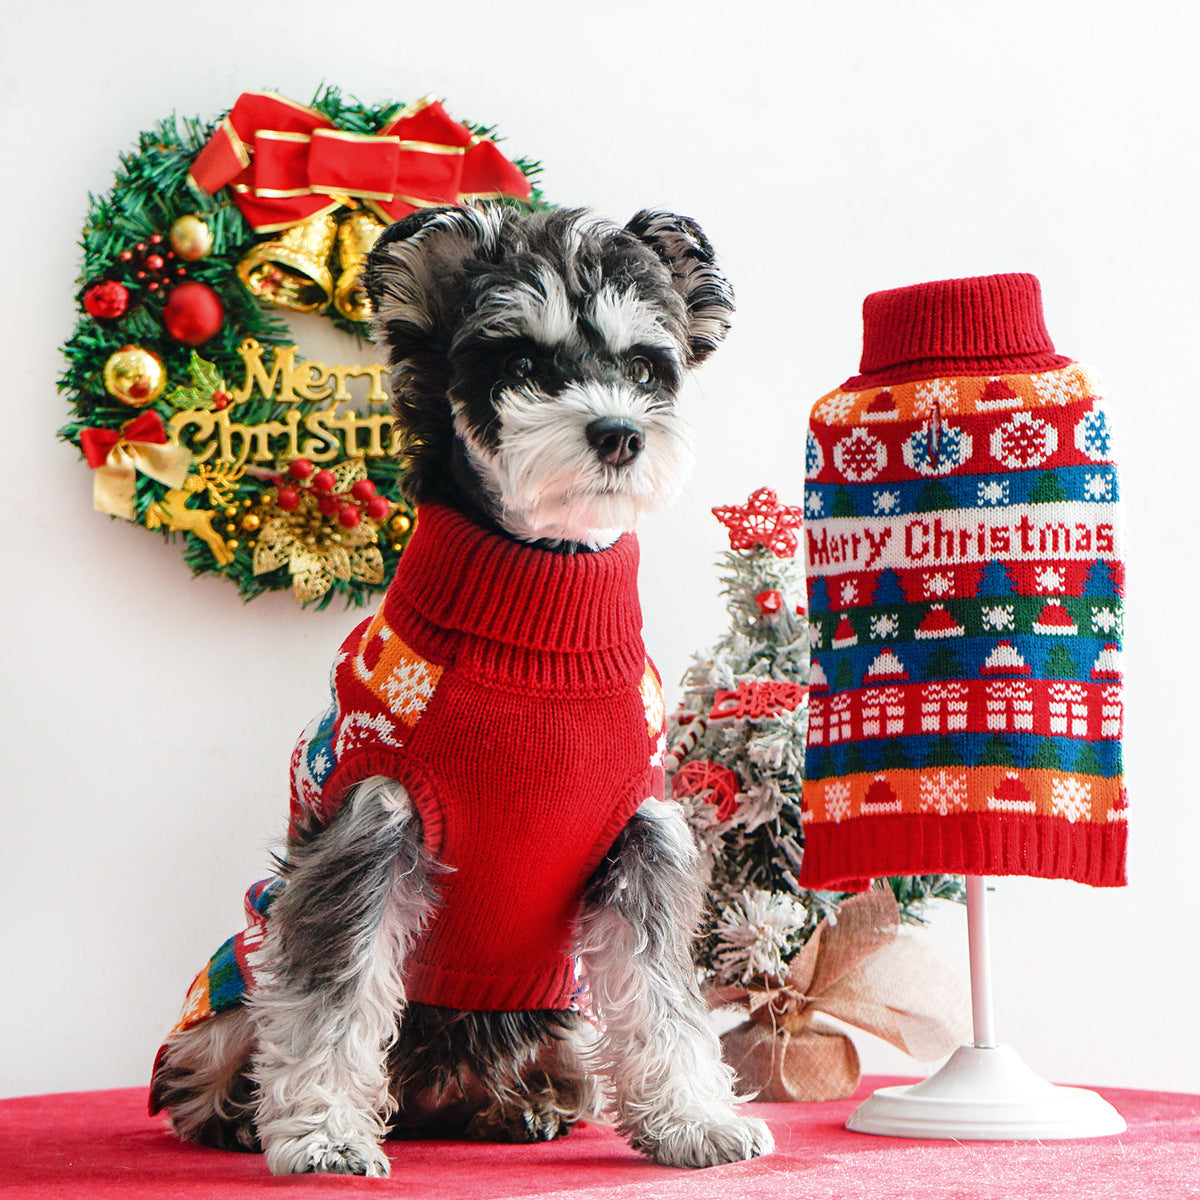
617 441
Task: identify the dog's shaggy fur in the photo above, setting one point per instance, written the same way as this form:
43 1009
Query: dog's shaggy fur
536 360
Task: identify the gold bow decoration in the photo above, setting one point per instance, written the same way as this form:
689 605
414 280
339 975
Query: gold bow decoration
116 458
860 970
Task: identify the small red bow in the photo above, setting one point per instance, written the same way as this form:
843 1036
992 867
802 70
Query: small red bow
287 163
97 444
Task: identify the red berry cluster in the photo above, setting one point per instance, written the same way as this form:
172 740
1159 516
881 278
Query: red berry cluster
349 507
152 264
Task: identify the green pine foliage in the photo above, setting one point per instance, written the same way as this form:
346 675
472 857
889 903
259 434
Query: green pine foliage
758 916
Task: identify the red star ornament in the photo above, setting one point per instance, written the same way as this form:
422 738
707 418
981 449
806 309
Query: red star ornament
762 521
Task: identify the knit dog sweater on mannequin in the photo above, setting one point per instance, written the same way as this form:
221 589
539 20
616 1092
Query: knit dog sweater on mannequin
965 576
508 690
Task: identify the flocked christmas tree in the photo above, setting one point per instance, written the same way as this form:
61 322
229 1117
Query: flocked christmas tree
736 759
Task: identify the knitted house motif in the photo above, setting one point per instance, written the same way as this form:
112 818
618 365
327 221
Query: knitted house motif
962 494
1070 707
944 707
883 712
1010 706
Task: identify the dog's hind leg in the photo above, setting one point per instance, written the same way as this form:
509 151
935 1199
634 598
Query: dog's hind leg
327 1013
201 1079
673 1095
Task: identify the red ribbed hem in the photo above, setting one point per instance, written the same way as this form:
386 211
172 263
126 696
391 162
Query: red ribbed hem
465 578
838 856
987 324
553 987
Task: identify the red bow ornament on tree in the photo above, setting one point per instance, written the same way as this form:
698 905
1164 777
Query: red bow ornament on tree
287 163
116 458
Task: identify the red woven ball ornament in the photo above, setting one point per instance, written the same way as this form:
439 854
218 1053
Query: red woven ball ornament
193 313
703 775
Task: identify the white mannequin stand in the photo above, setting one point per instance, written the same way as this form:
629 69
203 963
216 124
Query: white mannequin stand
984 1092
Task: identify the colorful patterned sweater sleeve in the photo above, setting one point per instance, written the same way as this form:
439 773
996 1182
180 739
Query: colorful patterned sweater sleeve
965 567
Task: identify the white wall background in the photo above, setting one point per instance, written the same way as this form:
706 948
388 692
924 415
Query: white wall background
829 150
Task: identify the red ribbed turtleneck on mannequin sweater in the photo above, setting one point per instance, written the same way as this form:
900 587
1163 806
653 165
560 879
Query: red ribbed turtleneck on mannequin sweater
508 689
965 582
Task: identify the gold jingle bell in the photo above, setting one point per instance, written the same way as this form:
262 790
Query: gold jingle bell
356 235
291 270
135 376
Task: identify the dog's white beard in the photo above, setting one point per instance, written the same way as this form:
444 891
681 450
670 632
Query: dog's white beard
545 481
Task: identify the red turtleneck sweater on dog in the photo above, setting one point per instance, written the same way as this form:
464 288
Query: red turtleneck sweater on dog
508 690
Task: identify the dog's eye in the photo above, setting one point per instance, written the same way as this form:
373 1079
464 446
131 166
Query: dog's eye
520 366
640 370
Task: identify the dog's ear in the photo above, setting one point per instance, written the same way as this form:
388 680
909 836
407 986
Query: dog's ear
415 272
682 247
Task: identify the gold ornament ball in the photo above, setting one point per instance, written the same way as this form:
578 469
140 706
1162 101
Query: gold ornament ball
191 238
250 522
135 376
401 523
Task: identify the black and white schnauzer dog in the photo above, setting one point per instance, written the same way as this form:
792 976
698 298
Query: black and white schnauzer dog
535 364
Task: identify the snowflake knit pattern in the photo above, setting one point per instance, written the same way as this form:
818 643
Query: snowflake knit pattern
508 689
965 578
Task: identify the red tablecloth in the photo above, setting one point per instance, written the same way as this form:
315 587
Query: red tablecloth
89 1144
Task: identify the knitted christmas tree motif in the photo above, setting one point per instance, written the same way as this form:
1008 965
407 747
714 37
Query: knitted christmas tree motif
966 614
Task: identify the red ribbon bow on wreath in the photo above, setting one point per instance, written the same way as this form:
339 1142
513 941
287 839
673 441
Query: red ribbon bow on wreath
117 455
287 163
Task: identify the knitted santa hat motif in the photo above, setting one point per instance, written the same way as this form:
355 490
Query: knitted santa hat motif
965 578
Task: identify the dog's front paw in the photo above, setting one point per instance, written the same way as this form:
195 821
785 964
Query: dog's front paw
297 1156
707 1140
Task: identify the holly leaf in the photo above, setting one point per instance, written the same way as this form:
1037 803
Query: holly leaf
205 382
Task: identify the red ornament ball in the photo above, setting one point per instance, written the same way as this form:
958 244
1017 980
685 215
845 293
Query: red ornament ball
348 516
193 313
106 301
300 468
703 775
378 508
220 400
324 481
363 490
288 499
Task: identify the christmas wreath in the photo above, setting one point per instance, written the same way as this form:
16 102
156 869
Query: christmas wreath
191 403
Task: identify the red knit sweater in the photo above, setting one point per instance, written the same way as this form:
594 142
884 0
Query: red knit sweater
966 580
508 689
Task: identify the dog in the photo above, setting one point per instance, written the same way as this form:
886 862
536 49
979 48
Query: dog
482 923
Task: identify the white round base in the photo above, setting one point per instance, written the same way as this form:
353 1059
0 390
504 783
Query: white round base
986 1093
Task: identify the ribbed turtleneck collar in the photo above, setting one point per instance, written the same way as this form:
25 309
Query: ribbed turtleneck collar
461 577
985 325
